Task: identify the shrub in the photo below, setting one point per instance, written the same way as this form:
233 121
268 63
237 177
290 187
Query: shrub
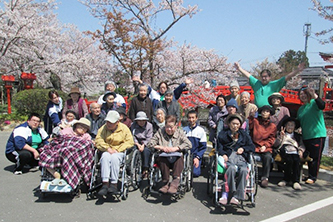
33 100
121 91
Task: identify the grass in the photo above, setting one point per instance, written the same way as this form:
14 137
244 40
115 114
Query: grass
326 163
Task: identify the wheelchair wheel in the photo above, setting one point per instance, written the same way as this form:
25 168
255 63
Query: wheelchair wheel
211 177
255 175
124 195
189 176
136 166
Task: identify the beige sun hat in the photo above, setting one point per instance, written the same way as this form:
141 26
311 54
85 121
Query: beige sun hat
275 95
83 121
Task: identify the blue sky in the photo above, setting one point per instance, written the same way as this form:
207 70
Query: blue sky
245 30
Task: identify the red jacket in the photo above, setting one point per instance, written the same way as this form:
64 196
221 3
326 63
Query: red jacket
263 133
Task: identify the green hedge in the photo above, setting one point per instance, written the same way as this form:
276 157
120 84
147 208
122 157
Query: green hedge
33 100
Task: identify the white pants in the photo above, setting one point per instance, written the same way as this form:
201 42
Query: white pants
110 165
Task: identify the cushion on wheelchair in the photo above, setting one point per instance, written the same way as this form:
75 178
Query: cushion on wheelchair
221 165
46 186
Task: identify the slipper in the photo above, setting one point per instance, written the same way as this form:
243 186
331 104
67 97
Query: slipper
55 182
62 182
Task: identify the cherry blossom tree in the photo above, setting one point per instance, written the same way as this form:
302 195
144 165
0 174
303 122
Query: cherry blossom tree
33 40
187 61
134 31
326 12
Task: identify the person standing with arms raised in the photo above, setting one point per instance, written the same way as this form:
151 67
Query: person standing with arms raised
265 87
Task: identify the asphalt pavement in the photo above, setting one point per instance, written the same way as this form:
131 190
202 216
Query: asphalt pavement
20 201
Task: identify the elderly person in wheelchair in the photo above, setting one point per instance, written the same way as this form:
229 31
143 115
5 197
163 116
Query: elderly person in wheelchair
234 145
170 141
113 138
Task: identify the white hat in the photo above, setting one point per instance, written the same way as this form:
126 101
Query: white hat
234 83
141 116
112 116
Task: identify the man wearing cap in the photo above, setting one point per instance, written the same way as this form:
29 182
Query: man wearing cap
96 118
263 134
169 105
141 103
75 103
111 86
232 108
142 131
113 138
265 87
234 91
110 104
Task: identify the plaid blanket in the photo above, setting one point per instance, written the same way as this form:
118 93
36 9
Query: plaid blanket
73 155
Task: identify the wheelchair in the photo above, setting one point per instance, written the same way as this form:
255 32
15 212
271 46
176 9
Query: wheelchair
128 174
215 188
155 177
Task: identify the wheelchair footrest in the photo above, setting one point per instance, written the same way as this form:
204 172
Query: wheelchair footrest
46 186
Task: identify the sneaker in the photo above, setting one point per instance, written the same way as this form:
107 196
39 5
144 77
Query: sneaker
174 186
17 172
264 182
234 201
223 200
113 188
34 169
164 189
103 191
282 183
309 181
297 186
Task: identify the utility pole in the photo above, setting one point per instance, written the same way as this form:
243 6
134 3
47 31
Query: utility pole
307 33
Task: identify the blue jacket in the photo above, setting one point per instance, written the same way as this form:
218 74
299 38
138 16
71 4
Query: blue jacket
197 136
225 143
52 116
21 136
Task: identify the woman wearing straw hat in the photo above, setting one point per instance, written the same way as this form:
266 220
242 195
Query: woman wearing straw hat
281 112
76 141
75 103
80 129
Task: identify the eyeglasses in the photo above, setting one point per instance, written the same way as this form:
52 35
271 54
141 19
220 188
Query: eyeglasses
34 120
169 127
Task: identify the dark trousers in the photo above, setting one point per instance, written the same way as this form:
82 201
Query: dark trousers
145 155
21 158
266 159
315 148
291 166
165 165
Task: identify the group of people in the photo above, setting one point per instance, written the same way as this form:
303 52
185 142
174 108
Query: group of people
109 129
237 128
265 128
